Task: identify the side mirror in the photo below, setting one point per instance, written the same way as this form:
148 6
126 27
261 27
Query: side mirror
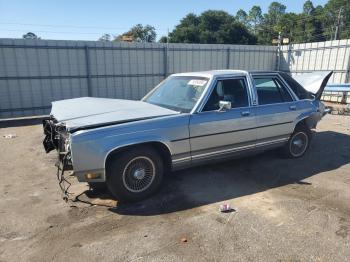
224 105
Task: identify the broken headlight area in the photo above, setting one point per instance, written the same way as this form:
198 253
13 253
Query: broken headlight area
57 138
55 135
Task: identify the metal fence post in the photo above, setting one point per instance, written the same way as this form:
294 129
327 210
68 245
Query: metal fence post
228 58
88 72
347 72
279 52
165 61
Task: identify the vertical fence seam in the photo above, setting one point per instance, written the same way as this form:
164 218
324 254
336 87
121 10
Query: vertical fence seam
88 72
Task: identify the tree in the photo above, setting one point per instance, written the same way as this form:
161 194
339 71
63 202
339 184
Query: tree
308 7
255 17
271 23
190 20
337 13
211 27
187 31
30 35
163 39
275 12
318 23
140 33
105 38
241 16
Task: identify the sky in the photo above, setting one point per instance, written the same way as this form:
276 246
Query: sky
89 19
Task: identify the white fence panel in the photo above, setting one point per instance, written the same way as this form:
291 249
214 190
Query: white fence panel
33 73
320 56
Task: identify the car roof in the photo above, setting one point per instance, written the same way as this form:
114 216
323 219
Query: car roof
225 72
212 73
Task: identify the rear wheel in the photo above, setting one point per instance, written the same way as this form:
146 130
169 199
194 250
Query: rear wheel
134 174
298 142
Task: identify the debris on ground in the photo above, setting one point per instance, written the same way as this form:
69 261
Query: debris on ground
183 240
10 136
226 208
338 109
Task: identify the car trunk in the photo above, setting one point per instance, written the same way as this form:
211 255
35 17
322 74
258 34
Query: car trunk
314 82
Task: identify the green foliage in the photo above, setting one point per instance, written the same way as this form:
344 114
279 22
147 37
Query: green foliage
308 7
140 33
163 39
331 13
313 24
242 16
255 17
275 13
211 27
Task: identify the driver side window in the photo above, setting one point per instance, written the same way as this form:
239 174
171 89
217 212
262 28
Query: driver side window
231 90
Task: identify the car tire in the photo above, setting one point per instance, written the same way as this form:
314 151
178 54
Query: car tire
298 142
134 174
98 186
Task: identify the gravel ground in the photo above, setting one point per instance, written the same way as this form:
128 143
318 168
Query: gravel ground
285 210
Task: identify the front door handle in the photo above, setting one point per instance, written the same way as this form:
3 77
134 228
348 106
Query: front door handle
293 108
245 113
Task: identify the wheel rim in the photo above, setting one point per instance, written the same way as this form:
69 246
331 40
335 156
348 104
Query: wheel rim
298 144
139 174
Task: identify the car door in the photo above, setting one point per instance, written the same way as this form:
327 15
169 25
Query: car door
276 110
215 133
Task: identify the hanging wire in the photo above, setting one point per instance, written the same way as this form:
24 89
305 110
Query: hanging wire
72 26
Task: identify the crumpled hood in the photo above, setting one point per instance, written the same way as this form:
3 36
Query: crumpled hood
87 112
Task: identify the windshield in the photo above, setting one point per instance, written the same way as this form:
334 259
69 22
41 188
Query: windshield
179 93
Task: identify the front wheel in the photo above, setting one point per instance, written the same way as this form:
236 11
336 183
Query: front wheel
298 142
134 174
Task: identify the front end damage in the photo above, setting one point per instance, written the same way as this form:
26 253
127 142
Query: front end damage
58 138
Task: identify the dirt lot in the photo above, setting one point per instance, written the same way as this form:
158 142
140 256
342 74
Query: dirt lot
285 210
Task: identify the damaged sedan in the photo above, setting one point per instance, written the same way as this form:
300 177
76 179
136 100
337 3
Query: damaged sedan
188 119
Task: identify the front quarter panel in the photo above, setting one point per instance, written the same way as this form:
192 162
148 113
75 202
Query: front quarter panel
90 148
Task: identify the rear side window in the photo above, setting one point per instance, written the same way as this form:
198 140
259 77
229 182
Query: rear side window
271 91
296 87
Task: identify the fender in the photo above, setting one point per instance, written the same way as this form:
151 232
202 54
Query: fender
311 118
125 145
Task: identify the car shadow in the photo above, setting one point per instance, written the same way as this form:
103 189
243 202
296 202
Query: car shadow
23 121
218 182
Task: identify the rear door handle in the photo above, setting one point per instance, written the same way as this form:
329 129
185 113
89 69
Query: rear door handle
293 108
245 113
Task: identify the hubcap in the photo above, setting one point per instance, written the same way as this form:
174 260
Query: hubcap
298 144
138 174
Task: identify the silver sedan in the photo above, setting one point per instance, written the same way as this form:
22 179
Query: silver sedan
187 120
